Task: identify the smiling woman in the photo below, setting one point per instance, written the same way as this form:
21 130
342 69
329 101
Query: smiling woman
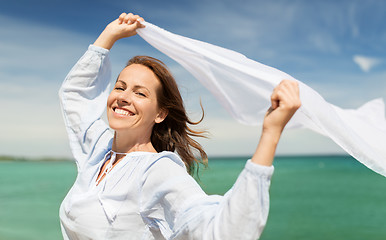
146 92
135 183
132 107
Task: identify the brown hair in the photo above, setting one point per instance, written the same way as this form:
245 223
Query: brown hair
173 133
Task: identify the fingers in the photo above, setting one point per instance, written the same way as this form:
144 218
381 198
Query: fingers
286 95
121 17
130 19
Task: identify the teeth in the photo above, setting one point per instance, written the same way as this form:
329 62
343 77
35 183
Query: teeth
122 112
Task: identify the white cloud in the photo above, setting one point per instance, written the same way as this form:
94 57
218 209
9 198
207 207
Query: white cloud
366 63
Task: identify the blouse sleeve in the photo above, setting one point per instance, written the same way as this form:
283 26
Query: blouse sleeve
83 97
191 214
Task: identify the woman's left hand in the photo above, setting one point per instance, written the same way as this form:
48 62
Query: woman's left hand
285 101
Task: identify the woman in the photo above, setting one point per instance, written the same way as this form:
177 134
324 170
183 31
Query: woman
130 183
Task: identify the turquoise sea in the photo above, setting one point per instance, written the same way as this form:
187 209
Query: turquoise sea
312 197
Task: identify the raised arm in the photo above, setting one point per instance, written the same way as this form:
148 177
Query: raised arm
243 211
284 103
84 92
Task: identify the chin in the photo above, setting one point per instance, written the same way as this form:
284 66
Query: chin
117 126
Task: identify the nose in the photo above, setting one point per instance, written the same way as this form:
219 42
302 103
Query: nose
124 97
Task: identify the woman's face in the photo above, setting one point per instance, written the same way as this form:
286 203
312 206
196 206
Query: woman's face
132 104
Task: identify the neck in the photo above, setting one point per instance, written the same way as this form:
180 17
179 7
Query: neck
126 143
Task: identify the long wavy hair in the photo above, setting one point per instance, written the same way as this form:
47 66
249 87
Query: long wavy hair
173 133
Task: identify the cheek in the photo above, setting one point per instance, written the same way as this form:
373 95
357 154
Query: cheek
148 108
110 99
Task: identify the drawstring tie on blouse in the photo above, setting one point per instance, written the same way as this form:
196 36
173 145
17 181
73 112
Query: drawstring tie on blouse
109 166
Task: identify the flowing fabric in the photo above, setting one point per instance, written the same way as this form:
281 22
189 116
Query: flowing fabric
244 87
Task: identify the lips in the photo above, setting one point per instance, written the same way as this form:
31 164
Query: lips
123 112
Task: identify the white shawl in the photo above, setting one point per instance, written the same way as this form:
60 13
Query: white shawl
244 87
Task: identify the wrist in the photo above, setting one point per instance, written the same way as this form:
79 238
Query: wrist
105 40
266 148
271 135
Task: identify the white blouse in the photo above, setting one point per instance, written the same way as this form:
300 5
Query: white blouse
146 195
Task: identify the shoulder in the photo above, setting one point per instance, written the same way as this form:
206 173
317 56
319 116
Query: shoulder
163 167
166 161
171 158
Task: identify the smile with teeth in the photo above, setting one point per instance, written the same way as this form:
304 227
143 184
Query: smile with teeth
124 112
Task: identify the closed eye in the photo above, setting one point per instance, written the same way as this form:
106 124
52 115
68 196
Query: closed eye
141 91
120 85
140 94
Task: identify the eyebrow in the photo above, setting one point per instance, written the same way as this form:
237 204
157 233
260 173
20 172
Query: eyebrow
135 87
123 82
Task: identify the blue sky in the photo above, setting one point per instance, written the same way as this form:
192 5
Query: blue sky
336 47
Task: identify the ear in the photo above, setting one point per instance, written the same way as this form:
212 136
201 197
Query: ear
162 114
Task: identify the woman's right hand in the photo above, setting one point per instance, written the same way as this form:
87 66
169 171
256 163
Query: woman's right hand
125 26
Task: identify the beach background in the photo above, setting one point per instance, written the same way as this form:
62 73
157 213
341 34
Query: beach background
312 197
335 47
